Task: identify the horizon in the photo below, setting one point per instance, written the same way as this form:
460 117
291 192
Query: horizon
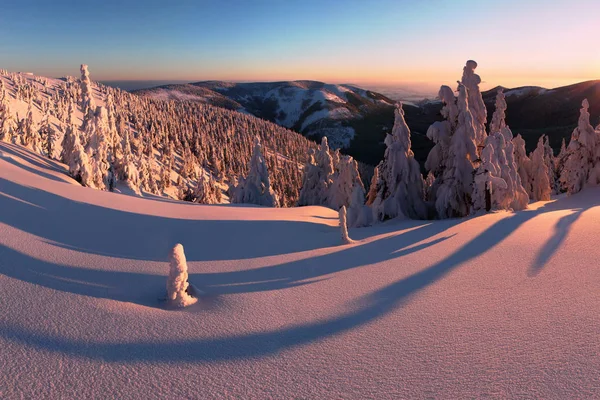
269 41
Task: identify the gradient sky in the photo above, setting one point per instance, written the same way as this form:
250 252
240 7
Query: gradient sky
516 42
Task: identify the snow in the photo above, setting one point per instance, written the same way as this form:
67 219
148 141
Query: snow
334 114
503 305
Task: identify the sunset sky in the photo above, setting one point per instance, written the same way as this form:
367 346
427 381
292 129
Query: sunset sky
546 43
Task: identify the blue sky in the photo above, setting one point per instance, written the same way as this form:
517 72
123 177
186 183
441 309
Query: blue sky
514 42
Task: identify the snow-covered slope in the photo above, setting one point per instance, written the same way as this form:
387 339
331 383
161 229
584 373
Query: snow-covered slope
504 305
312 108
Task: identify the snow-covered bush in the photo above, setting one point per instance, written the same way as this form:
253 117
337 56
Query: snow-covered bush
178 289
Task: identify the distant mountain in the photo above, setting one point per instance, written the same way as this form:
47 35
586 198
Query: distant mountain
534 111
357 120
314 109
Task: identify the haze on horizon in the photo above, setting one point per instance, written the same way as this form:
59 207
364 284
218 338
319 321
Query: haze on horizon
421 44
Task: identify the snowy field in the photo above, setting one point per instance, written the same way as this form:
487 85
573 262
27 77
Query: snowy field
504 305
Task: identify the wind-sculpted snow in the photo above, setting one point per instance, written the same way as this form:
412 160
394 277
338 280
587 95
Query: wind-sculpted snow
502 305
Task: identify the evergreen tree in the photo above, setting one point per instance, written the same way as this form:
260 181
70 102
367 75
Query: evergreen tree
256 187
400 189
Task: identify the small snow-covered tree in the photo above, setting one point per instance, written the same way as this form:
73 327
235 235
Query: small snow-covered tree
359 214
440 132
344 182
344 226
99 148
256 187
582 159
8 126
475 101
515 196
207 191
79 166
488 183
523 164
179 291
540 184
400 188
68 141
372 195
317 177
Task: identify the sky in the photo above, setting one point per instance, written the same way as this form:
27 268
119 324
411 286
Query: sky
526 42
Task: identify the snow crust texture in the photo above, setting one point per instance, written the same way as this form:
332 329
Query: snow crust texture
503 305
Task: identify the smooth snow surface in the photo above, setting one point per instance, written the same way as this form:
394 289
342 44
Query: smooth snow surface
504 305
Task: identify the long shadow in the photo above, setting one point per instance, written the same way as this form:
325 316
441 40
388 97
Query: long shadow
368 308
372 307
36 171
32 158
561 230
98 230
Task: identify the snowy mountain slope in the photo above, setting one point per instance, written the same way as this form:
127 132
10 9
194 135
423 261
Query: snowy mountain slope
311 108
504 305
175 143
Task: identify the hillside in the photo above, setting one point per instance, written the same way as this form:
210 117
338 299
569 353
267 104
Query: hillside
156 147
314 109
501 305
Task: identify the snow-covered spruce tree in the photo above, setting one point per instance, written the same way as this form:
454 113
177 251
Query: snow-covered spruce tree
372 194
515 196
550 162
540 184
475 101
207 191
256 187
559 165
8 126
126 169
88 105
344 226
317 177
344 182
98 149
179 291
580 167
523 164
488 183
454 186
79 165
440 132
68 140
359 214
400 189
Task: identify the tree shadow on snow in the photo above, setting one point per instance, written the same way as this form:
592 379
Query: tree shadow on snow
365 310
369 308
99 230
561 230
